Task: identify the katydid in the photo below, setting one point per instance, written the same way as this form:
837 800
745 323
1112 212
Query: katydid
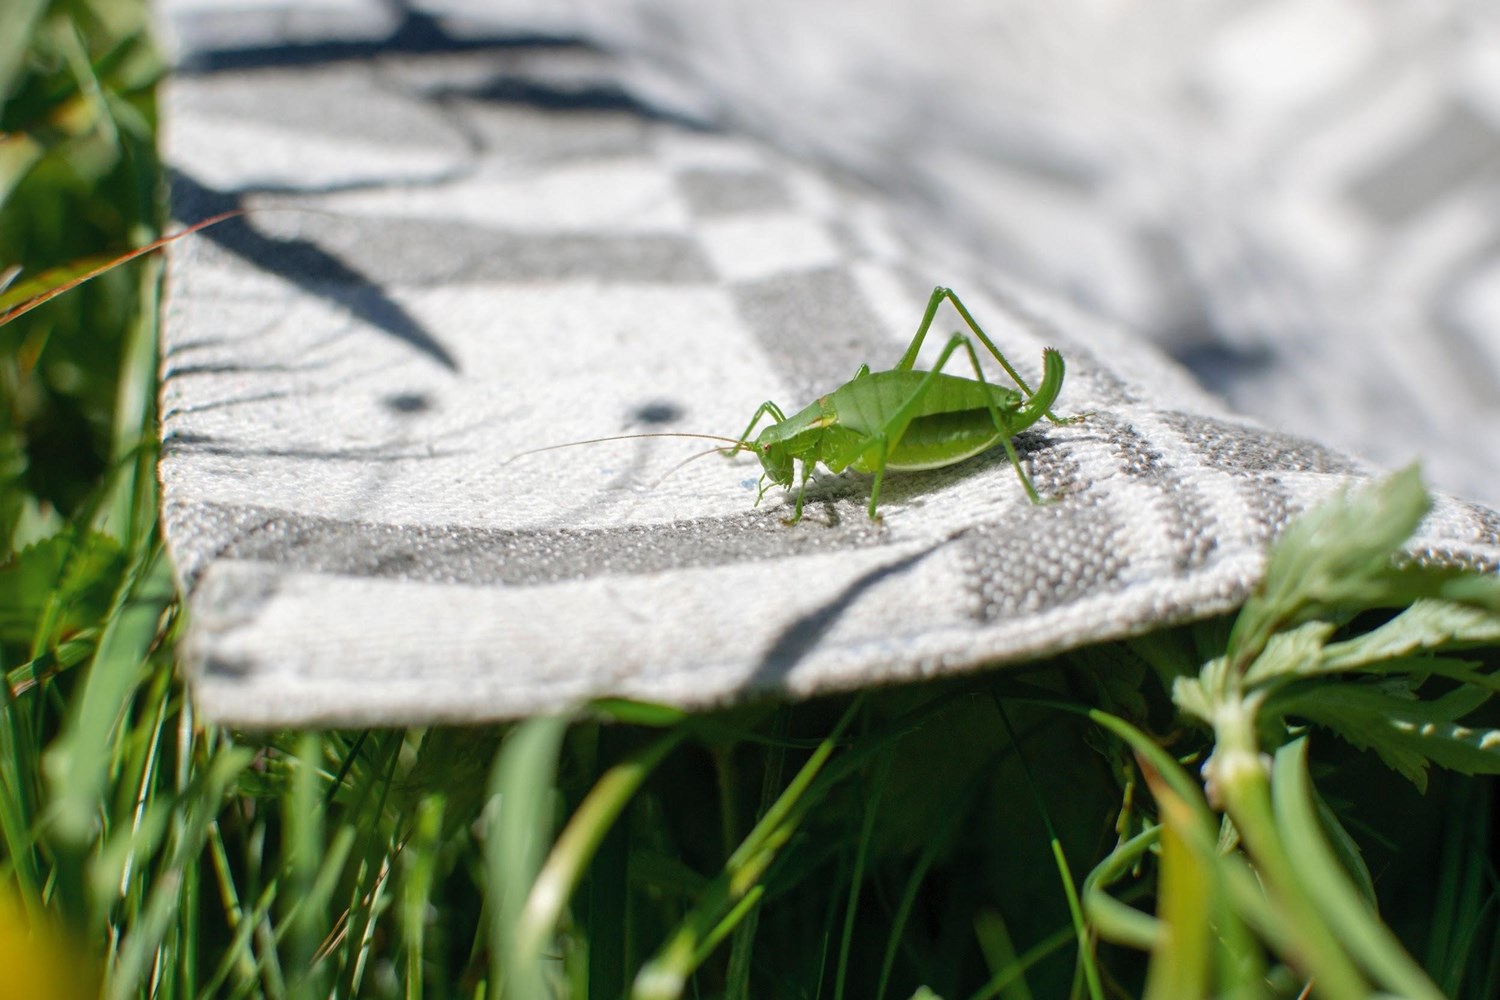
901 420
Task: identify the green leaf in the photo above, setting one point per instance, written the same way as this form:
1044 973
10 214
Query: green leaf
1344 557
637 713
1335 556
1426 627
1408 734
79 580
1293 653
1190 695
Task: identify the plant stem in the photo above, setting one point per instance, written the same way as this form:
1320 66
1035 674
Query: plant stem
1240 778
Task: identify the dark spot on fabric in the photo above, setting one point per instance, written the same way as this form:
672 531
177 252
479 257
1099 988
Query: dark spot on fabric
408 402
657 411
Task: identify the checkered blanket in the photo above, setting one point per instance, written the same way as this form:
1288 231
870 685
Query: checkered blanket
467 245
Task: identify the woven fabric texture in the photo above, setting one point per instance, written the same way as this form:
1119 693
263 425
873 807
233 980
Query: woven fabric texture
459 252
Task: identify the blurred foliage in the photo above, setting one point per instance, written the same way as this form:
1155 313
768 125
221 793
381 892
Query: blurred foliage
79 176
41 960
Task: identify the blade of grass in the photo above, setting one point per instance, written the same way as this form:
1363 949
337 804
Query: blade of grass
1086 958
665 975
19 798
138 951
303 849
1181 956
580 838
1468 891
22 17
29 293
134 511
419 870
607 898
78 763
745 918
856 879
939 839
1315 865
1000 954
238 959
517 830
370 838
1004 979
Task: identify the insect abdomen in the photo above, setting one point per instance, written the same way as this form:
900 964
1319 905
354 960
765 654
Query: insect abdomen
942 439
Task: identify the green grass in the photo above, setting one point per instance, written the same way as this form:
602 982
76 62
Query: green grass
1043 832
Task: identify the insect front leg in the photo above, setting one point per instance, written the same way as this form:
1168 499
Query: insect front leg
807 469
765 408
884 445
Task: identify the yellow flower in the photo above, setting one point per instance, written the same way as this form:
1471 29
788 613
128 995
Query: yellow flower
40 961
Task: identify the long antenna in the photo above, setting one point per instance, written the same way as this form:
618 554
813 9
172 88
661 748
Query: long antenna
736 442
691 458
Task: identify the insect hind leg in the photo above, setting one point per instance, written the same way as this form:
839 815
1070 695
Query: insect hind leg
1015 463
1003 428
888 438
939 295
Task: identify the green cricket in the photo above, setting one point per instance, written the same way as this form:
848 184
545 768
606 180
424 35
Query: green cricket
899 420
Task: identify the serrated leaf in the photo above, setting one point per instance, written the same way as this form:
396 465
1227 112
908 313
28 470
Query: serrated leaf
80 578
1294 653
1190 697
1426 626
1408 734
1336 556
1343 557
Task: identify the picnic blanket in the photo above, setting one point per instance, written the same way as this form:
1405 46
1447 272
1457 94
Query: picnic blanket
473 235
